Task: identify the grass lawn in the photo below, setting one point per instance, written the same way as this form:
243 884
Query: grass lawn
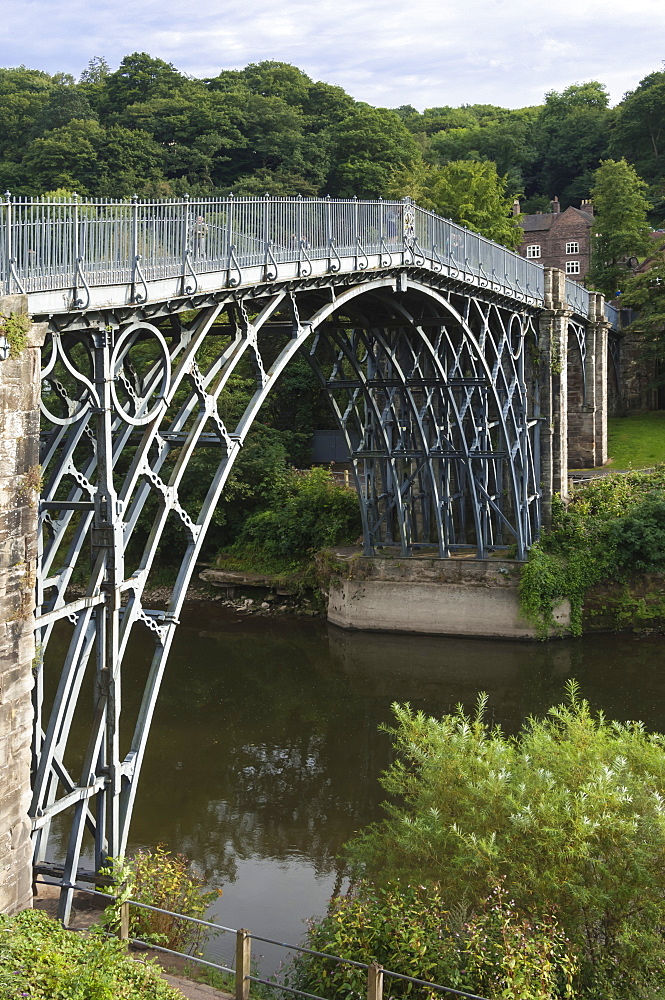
638 441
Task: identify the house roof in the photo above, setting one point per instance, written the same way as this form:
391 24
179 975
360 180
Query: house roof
545 220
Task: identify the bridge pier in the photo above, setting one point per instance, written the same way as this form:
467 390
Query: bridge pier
19 494
573 388
553 329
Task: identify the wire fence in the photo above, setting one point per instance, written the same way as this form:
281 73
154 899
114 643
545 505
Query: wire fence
240 972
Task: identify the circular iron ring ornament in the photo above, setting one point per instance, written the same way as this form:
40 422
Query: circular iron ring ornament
88 396
123 345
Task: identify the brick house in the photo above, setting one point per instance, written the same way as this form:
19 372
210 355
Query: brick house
558 239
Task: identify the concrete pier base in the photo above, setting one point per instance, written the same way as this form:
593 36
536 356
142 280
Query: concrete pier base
457 597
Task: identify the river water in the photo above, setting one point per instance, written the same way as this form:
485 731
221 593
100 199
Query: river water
265 749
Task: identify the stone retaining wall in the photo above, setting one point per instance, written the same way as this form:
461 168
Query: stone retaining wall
19 491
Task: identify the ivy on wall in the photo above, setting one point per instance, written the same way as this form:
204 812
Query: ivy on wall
612 528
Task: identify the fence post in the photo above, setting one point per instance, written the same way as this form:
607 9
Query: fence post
243 963
123 933
375 982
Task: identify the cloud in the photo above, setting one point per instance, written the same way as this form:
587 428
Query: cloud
427 53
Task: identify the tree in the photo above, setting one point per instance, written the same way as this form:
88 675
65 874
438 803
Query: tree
568 816
370 146
571 135
620 228
472 194
140 78
639 127
646 294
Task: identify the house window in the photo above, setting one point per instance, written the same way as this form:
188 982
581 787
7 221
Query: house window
572 267
572 247
533 250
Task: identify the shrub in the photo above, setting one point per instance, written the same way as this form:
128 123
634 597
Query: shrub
168 881
42 961
309 511
570 814
612 527
410 930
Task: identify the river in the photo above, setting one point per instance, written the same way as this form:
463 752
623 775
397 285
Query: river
265 749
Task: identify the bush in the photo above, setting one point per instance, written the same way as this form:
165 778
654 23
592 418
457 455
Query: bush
612 527
410 930
42 961
159 878
309 511
570 814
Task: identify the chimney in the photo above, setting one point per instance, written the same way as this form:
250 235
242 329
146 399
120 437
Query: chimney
516 207
587 206
554 204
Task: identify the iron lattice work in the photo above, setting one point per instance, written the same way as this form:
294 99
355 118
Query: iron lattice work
433 389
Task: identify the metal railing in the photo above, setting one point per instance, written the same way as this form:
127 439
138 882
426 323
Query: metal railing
577 297
74 245
242 976
612 316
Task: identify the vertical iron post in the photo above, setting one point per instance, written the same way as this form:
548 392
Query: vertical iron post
299 238
75 245
229 223
184 235
8 242
355 231
135 243
266 231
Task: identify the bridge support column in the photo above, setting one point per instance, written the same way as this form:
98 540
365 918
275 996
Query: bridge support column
599 329
554 390
587 414
19 496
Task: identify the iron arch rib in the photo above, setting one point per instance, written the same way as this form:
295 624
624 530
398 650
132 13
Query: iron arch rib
431 406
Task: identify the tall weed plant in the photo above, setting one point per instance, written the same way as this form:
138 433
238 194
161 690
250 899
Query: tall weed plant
167 881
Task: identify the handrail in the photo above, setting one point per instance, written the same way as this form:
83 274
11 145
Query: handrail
242 971
51 245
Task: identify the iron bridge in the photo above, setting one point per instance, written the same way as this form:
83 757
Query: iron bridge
424 337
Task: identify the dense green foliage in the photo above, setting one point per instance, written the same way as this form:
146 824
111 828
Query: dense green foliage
645 293
414 930
147 128
566 818
168 881
473 194
612 527
306 511
620 227
42 961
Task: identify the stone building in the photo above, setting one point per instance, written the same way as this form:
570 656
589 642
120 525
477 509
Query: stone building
558 239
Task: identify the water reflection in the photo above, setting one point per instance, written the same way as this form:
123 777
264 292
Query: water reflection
265 750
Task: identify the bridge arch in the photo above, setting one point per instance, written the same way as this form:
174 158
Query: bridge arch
428 386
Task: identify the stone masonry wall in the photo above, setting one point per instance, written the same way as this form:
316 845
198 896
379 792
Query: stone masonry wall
19 487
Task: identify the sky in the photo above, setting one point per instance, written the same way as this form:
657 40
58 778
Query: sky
425 52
